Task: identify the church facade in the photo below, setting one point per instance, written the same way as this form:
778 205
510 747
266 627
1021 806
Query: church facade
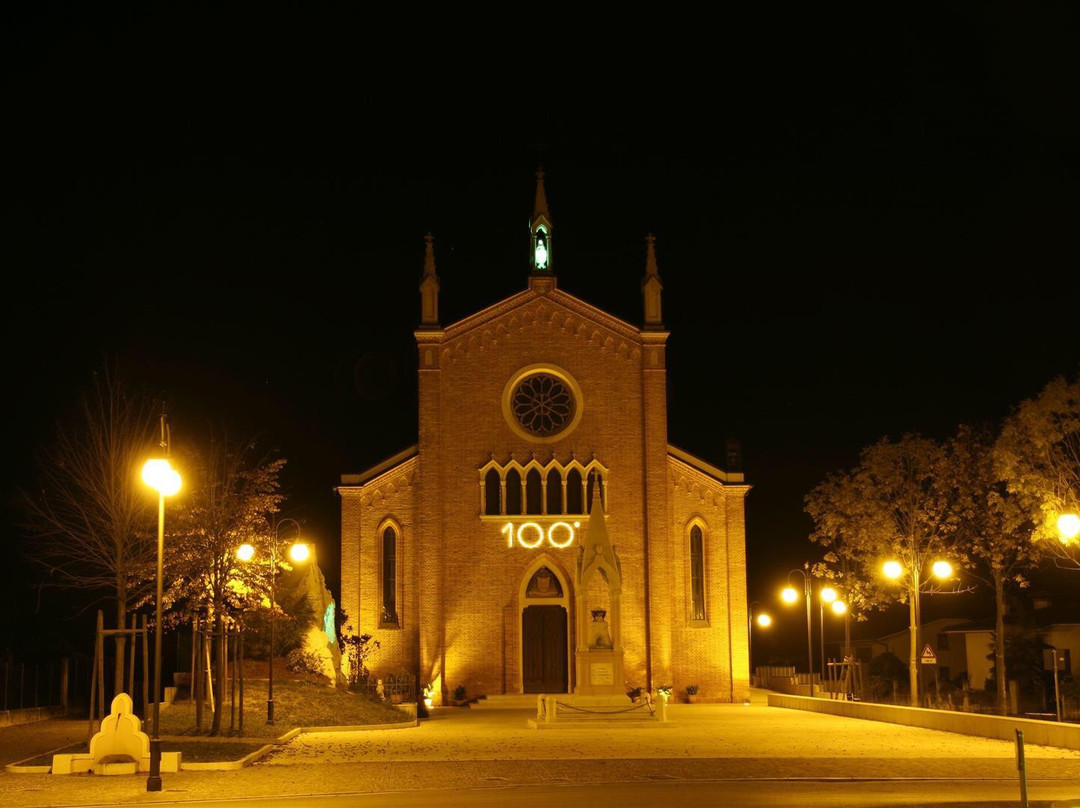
543 536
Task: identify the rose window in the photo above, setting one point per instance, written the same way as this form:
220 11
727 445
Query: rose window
542 404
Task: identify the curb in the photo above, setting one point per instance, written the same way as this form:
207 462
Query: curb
226 765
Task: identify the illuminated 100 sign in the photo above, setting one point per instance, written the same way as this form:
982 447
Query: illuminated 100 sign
530 535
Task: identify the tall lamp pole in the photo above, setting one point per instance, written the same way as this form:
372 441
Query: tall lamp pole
298 552
790 595
912 578
764 621
159 474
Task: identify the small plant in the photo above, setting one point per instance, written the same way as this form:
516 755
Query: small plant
459 693
301 661
634 693
665 691
691 690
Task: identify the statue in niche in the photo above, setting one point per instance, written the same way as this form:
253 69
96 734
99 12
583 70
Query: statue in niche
543 584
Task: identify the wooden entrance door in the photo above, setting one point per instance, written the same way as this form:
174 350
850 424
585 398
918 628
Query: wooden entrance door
543 649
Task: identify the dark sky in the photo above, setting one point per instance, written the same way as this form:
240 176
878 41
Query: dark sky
866 221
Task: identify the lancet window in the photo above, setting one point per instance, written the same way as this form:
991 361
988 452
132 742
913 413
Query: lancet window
389 616
697 574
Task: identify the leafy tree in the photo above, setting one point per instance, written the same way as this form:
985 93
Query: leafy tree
1038 456
890 507
993 538
90 520
836 524
231 496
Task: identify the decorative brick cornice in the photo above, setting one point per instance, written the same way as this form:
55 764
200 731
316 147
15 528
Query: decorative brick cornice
555 310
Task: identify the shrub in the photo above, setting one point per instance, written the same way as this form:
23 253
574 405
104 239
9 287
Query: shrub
300 661
459 693
634 693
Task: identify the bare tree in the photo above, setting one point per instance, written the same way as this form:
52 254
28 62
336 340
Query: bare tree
90 519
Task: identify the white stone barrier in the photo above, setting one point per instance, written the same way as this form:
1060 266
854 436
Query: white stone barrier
1043 733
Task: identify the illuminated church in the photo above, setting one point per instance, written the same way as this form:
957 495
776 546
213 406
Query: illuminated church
543 536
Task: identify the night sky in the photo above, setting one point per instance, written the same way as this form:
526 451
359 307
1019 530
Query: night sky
866 223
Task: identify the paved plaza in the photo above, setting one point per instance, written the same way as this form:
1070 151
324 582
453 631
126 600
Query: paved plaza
463 748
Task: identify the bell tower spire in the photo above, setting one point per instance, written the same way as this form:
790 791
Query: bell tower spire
651 287
540 231
429 288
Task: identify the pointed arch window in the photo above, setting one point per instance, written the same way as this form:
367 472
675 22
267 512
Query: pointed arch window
492 493
574 492
534 492
513 491
389 617
554 492
697 574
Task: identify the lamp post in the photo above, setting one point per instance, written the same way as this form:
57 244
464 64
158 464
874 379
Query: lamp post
298 552
827 595
159 474
790 595
764 621
911 577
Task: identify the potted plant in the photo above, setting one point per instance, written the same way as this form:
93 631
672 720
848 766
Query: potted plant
459 695
691 693
635 694
664 690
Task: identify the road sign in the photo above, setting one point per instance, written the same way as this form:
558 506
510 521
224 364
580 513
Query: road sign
928 656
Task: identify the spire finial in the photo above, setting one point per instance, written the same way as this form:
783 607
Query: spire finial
651 270
429 287
651 287
540 228
429 255
540 207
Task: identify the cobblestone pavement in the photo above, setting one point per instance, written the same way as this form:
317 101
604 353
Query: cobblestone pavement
704 742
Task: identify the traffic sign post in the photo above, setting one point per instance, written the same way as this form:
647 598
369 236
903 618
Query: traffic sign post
928 656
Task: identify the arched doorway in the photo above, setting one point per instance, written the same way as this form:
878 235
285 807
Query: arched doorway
544 634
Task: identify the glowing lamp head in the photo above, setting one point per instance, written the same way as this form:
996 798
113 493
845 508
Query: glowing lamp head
299 552
764 620
839 607
245 552
828 594
161 476
1068 525
789 595
942 569
892 569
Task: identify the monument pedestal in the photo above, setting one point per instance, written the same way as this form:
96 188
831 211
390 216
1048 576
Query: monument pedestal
600 672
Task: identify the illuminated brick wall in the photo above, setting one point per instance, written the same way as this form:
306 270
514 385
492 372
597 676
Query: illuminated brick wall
463 584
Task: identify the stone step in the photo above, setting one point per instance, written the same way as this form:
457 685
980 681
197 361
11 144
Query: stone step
508 701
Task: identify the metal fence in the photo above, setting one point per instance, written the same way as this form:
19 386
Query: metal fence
397 689
26 685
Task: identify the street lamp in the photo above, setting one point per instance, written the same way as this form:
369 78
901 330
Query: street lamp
762 620
790 595
828 595
1068 525
912 579
298 552
159 474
